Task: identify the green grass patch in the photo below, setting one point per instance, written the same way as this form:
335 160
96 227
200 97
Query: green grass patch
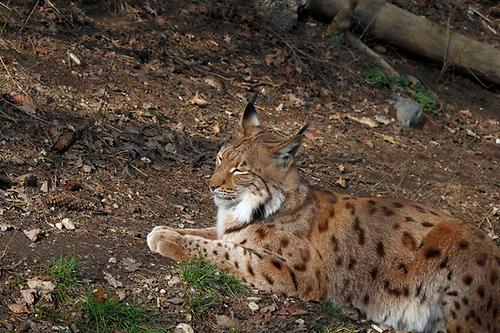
19 281
66 277
113 315
73 303
210 284
402 81
330 310
206 278
377 78
64 271
336 37
426 99
338 322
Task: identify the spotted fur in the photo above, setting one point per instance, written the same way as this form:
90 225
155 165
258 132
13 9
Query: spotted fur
401 263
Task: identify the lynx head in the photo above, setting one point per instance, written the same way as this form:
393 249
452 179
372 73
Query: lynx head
255 171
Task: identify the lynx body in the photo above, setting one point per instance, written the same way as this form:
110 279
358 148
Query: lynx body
401 263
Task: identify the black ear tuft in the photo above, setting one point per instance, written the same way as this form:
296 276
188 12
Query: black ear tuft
249 119
287 150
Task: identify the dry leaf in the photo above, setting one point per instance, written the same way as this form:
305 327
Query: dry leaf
364 120
367 142
130 264
33 234
28 296
212 83
41 285
291 309
269 308
216 128
100 294
112 281
295 101
390 138
18 308
382 119
341 181
24 102
196 100
226 321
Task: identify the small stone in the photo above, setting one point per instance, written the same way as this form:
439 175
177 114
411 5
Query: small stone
408 112
253 306
170 148
300 321
163 291
112 260
68 224
45 187
173 281
5 226
183 328
17 160
59 225
87 168
175 300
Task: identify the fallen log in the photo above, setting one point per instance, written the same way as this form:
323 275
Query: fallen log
414 33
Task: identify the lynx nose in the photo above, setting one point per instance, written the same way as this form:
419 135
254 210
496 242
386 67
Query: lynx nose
215 183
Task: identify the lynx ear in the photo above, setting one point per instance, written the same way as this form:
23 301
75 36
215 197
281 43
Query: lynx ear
249 120
286 151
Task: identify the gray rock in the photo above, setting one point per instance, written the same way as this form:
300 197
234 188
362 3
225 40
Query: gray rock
408 112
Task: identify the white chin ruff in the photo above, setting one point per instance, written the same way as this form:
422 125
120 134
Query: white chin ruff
244 210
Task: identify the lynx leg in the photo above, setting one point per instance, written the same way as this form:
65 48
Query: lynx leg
264 270
208 233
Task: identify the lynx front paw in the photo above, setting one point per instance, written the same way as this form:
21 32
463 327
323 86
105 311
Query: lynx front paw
167 242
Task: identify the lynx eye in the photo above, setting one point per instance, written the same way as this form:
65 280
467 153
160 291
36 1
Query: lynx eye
238 171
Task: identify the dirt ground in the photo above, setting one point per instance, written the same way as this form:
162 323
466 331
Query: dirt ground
147 146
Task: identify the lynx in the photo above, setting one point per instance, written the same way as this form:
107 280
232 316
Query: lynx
401 263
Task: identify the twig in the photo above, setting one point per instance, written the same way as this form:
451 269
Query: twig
479 14
54 7
4 115
29 16
8 244
103 97
447 48
195 67
357 43
7 20
26 112
5 6
139 170
10 76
